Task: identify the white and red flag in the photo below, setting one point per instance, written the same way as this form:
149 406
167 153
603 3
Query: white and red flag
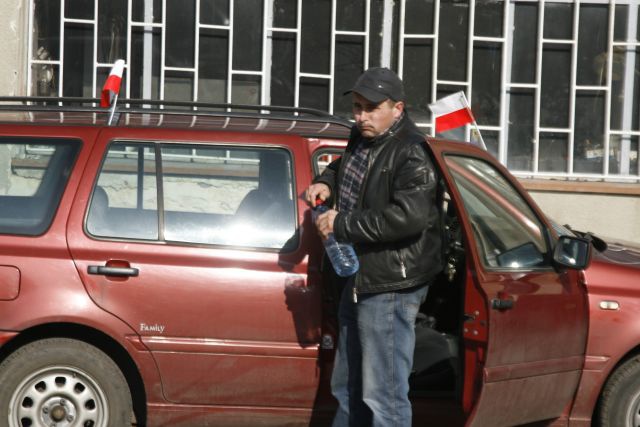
111 87
451 112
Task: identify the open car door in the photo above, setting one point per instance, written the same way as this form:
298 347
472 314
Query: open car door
525 320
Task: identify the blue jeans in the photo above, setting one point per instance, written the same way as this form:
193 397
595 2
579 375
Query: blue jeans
375 356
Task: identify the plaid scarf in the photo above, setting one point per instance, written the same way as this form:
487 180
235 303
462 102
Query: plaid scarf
354 173
357 167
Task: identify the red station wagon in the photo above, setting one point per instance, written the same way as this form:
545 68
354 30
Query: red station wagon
164 271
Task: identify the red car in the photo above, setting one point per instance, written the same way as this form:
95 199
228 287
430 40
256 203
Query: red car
164 270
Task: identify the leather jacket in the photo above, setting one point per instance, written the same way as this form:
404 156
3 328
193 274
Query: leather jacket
395 224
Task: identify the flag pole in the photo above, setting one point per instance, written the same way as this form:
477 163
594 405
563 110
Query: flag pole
478 134
113 109
474 130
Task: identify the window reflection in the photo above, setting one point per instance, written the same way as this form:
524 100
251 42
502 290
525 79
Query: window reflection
244 199
588 146
508 235
592 45
521 107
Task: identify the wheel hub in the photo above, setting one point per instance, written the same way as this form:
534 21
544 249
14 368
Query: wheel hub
58 397
58 412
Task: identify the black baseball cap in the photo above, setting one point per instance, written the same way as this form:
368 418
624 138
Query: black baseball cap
378 84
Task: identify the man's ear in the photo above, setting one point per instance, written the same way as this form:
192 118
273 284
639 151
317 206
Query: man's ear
398 108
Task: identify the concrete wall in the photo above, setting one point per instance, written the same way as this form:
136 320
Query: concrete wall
614 216
13 47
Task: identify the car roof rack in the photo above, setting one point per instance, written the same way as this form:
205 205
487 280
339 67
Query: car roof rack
198 115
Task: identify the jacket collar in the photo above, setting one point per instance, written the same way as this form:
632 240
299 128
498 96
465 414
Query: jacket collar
388 134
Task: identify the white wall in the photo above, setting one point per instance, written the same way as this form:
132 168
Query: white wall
613 216
13 47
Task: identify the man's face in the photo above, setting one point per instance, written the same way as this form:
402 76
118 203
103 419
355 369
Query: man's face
373 119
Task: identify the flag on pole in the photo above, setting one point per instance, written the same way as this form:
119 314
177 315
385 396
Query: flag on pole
451 112
111 87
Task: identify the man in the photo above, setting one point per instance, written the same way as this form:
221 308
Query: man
384 189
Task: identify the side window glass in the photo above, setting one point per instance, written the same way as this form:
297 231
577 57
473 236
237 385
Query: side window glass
124 203
33 175
235 197
322 158
508 235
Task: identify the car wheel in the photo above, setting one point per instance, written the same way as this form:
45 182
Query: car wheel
63 382
620 401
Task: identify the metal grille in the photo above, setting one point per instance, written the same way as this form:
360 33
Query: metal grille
554 86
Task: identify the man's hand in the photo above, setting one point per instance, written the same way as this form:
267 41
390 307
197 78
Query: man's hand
317 190
324 223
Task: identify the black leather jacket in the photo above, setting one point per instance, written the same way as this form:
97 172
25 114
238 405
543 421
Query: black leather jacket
395 224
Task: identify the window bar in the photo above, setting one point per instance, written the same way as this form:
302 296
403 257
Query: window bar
296 93
573 88
537 90
469 72
163 45
607 105
82 21
196 58
502 143
367 35
30 53
94 77
230 54
401 38
387 34
332 59
196 65
267 22
488 39
565 175
522 85
630 60
61 59
128 59
434 62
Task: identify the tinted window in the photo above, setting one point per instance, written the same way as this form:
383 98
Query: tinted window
229 197
33 174
508 234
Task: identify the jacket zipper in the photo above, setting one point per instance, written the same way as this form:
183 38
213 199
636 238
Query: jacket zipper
403 267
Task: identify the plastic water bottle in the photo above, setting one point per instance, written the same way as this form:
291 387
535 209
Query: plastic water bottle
342 255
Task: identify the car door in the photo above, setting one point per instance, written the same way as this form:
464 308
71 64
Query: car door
526 322
196 246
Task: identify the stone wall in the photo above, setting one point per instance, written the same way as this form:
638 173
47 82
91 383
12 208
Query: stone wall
13 31
616 217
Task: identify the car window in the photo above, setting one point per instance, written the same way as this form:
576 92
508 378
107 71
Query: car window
322 158
124 203
209 195
33 174
239 198
508 235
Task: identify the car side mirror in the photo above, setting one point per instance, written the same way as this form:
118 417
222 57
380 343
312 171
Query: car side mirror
572 252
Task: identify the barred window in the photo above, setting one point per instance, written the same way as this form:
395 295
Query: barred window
554 85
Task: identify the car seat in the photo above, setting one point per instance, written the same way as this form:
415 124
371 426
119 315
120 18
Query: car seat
98 212
271 203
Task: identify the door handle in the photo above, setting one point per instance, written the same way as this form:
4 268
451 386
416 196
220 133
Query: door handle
112 271
502 304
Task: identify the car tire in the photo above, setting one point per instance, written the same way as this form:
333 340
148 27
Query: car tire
60 381
620 401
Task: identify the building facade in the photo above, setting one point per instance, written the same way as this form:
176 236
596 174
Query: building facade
554 85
